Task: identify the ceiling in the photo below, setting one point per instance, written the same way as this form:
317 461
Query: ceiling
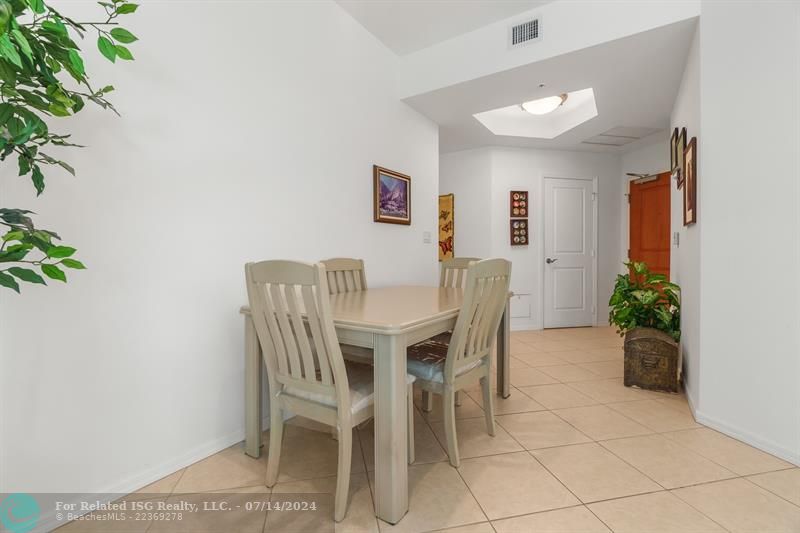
635 82
406 26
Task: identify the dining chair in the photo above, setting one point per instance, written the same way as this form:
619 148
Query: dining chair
306 371
446 367
348 275
345 274
452 273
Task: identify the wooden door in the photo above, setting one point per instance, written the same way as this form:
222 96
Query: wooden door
650 222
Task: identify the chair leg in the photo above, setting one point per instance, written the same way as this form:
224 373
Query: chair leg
343 472
275 440
449 401
458 398
411 451
488 404
427 401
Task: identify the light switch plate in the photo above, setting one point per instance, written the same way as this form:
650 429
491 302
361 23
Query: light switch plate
426 237
676 238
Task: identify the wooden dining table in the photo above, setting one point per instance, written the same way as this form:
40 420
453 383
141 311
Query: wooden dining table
387 320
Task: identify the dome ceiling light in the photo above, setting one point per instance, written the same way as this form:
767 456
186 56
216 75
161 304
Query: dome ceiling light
543 106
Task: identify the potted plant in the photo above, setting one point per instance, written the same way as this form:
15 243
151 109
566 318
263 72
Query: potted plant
645 308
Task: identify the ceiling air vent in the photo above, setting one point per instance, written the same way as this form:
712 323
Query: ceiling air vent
525 32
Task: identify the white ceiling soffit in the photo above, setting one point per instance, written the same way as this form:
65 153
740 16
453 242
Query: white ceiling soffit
516 122
406 26
635 81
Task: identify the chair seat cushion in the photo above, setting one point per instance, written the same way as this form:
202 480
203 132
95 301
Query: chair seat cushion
426 359
360 377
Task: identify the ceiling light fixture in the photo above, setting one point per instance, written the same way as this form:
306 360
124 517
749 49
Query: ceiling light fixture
543 106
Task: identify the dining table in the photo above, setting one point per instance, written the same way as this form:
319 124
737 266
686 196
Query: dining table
387 320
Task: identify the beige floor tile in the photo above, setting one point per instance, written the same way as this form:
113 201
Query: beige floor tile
540 430
537 359
467 409
227 469
557 396
727 452
568 373
518 347
426 445
742 507
600 423
513 484
593 473
515 363
531 376
482 527
596 344
586 356
784 483
474 441
360 516
213 520
667 462
164 485
609 391
516 403
608 354
307 454
660 512
656 415
550 345
437 499
571 520
605 369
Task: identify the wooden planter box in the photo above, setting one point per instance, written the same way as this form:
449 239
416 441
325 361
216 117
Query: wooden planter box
651 360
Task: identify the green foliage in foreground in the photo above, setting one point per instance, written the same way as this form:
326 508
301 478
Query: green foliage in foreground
42 80
644 299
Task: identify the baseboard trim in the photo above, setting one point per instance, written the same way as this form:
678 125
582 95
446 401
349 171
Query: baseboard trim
747 437
48 521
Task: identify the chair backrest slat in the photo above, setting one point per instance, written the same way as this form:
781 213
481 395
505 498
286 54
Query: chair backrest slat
345 275
290 308
485 294
453 272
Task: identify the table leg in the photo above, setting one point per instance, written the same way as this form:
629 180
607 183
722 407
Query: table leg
252 389
391 412
504 353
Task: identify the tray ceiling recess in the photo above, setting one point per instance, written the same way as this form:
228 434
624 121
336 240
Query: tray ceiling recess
514 121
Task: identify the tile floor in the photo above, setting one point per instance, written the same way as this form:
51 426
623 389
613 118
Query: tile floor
575 452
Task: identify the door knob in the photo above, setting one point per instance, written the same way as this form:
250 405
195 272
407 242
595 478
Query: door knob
550 261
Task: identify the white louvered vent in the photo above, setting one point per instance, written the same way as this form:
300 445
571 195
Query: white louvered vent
525 32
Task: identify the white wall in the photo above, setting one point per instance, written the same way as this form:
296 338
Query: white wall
230 149
686 256
749 164
566 26
468 176
648 156
514 168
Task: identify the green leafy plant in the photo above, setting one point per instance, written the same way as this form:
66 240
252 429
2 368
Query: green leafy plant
42 80
644 299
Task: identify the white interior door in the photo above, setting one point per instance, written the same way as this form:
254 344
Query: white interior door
569 253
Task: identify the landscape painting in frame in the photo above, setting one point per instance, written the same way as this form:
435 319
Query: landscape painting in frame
391 196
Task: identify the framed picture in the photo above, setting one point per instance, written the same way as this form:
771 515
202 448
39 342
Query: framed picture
690 183
447 227
673 150
518 204
391 196
679 152
519 232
